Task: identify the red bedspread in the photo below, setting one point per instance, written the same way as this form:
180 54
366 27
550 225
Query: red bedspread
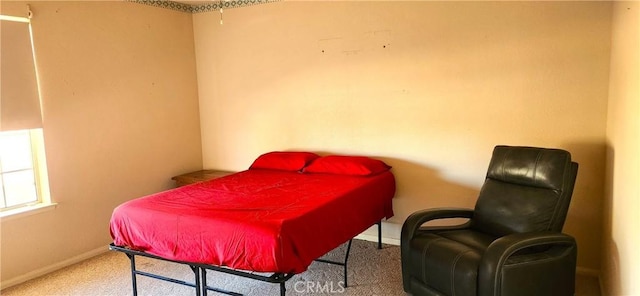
258 220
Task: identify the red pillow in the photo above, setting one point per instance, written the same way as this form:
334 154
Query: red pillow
347 165
283 160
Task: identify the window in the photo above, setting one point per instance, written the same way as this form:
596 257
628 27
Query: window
17 170
24 183
23 176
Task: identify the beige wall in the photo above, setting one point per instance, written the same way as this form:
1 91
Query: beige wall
120 118
621 238
430 87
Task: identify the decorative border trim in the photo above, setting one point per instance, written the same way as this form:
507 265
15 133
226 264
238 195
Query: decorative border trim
193 8
166 4
227 4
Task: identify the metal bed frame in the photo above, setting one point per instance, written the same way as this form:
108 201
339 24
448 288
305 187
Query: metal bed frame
200 271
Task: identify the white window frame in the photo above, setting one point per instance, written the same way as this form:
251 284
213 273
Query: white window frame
41 182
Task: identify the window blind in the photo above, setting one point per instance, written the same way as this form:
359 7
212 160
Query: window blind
19 96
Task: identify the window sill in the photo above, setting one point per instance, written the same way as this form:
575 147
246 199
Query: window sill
26 211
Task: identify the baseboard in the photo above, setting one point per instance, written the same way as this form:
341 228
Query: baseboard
588 272
51 268
374 238
390 233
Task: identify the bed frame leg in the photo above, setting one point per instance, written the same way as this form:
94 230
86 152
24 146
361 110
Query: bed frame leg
379 234
196 272
132 259
343 264
203 273
283 289
346 257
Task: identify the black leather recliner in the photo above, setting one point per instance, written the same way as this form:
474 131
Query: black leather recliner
512 242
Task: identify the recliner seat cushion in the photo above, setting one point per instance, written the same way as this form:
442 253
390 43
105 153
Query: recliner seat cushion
448 265
468 237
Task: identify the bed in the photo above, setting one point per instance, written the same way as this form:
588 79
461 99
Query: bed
287 210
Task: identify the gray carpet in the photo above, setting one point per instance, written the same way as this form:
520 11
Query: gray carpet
371 272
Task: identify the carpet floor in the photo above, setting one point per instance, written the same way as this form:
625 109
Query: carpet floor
370 272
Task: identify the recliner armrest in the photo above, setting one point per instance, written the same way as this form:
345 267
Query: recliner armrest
499 252
415 220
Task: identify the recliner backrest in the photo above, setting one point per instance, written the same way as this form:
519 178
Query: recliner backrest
526 189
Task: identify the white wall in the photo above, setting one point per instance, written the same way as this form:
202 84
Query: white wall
429 87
